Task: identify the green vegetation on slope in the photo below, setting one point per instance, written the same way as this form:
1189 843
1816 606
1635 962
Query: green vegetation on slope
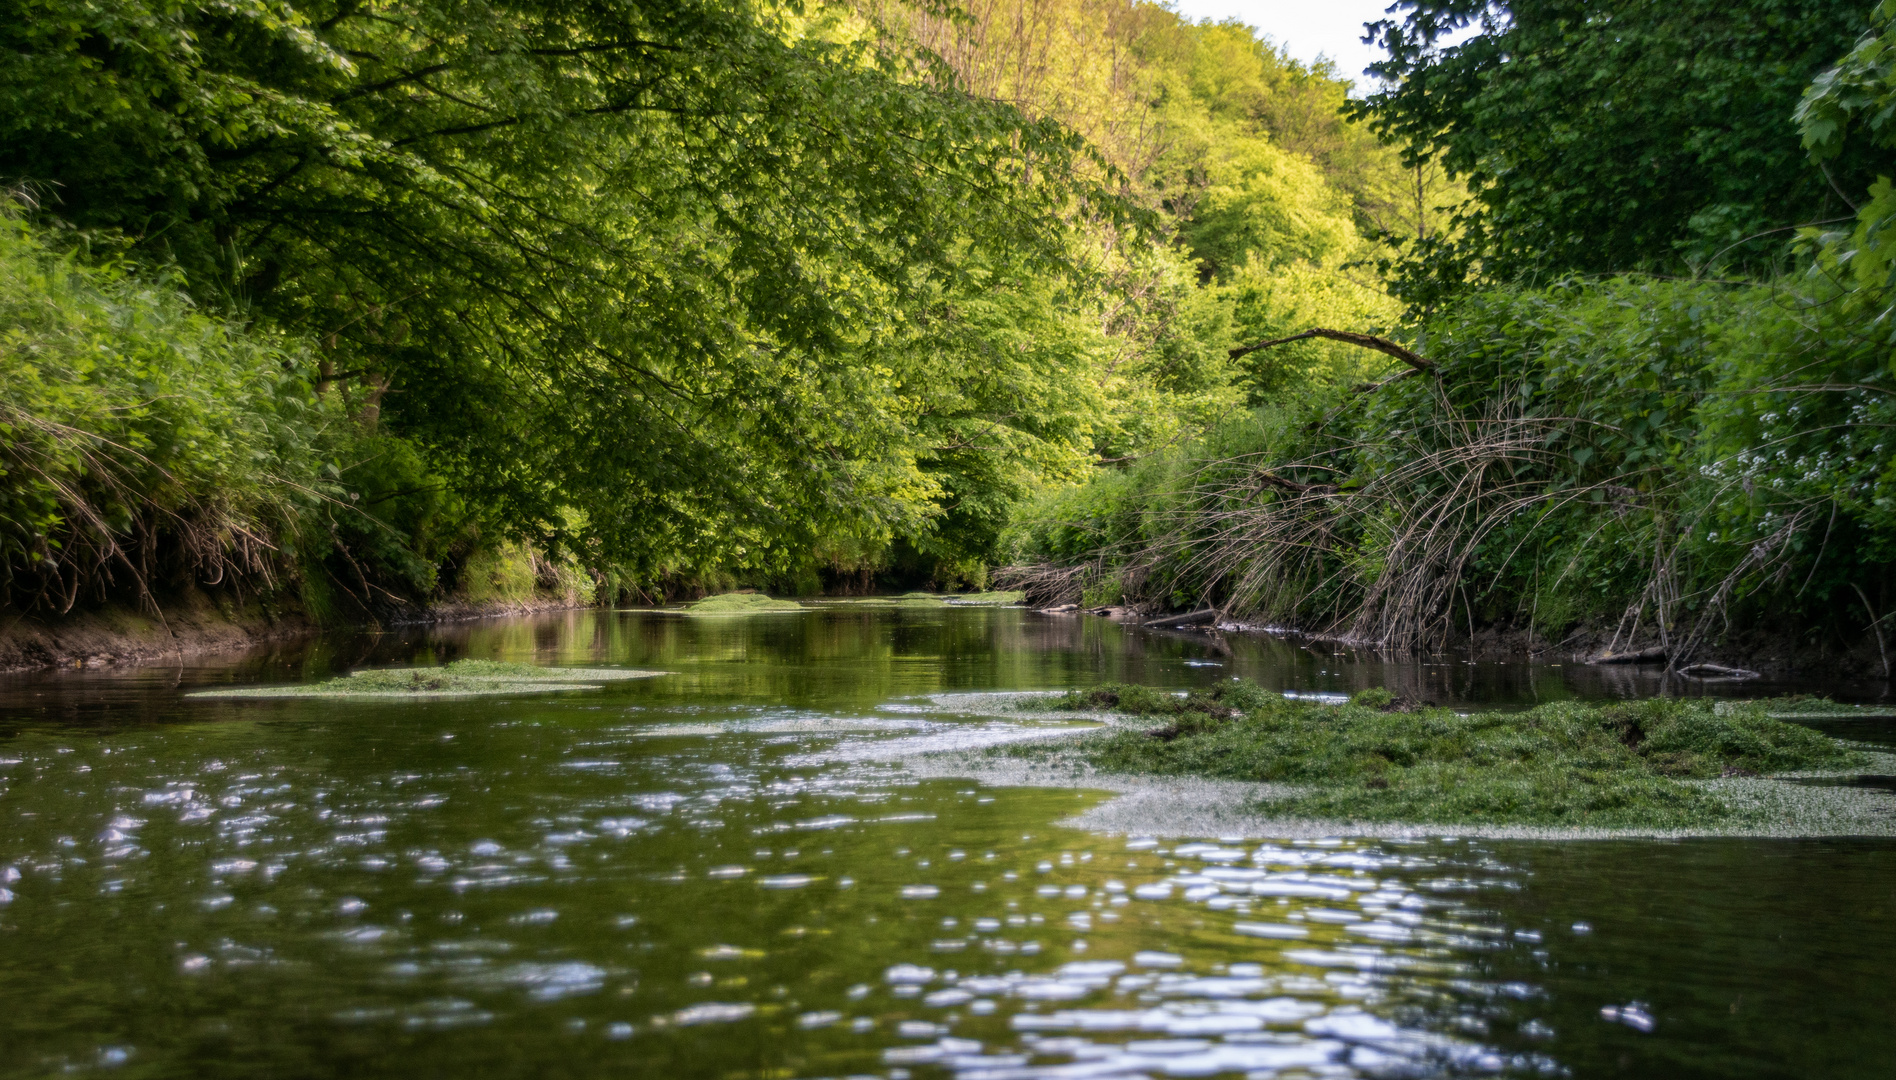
1573 449
1376 759
689 295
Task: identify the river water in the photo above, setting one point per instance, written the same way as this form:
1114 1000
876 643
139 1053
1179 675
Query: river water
718 873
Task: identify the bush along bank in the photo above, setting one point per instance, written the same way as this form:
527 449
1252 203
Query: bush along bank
1662 764
1618 419
162 465
1633 464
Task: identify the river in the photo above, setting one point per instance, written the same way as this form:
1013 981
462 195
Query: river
719 873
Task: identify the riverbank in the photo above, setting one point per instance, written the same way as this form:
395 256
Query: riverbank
198 624
1746 651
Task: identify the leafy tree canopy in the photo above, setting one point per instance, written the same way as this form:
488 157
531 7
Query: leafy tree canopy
653 262
1612 136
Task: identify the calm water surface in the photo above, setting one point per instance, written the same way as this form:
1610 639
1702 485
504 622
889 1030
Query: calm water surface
717 874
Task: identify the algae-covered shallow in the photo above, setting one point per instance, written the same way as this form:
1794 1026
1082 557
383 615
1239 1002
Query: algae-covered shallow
740 603
926 600
1002 598
462 678
1650 765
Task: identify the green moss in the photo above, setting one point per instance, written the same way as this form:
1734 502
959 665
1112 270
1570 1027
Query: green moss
740 603
1006 598
1379 759
463 678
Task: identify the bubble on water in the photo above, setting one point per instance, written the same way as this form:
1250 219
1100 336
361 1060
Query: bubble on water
536 917
485 848
618 1031
786 881
810 1021
906 973
1583 928
1155 959
920 892
349 905
724 872
1156 890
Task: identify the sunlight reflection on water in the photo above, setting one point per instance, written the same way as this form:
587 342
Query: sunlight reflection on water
709 877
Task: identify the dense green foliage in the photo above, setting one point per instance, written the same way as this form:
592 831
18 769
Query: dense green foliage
638 298
139 438
1380 759
1621 454
701 293
570 253
1610 458
1613 137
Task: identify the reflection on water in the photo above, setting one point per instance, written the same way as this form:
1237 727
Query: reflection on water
718 873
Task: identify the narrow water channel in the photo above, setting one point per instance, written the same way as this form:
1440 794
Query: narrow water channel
719 873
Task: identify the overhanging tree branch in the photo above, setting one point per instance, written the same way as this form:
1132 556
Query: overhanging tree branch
1366 341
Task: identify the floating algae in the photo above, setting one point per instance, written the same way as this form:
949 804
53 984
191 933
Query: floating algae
1009 598
933 600
1804 707
739 604
1658 764
463 678
906 600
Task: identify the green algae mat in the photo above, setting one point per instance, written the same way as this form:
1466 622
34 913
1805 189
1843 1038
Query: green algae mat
760 604
740 604
932 600
462 678
1660 763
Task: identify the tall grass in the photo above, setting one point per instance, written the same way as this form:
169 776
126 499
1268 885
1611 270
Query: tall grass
143 443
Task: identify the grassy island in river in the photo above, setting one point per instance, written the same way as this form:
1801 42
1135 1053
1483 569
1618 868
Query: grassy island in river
1376 758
